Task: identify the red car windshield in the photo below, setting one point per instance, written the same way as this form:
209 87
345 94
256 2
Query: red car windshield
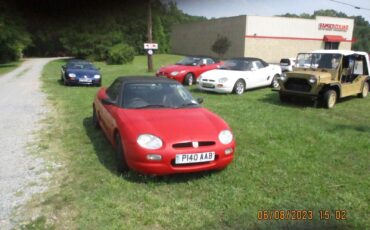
190 61
157 95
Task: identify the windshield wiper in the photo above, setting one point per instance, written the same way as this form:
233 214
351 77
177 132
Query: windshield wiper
151 106
187 105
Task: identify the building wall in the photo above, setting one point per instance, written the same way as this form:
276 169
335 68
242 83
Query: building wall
273 38
197 38
272 50
269 38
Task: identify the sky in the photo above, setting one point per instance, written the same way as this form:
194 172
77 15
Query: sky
226 8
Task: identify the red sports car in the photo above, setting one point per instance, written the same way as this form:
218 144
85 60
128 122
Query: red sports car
188 70
158 128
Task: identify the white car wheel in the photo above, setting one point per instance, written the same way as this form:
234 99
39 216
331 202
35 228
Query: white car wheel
239 87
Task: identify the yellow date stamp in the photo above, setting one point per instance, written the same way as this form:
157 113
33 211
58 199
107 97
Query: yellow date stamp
304 215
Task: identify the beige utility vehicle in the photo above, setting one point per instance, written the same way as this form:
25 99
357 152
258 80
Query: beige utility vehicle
326 76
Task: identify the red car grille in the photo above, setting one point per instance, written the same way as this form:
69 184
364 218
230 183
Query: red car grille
190 144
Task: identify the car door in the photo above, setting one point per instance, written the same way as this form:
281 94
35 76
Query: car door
353 83
249 73
107 110
258 74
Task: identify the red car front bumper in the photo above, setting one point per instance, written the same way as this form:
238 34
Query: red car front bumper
136 158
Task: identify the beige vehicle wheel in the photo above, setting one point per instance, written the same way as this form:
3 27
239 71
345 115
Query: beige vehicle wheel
365 90
330 98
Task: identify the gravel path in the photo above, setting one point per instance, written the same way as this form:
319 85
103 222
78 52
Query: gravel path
21 108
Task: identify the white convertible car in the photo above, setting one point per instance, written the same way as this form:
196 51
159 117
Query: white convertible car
238 74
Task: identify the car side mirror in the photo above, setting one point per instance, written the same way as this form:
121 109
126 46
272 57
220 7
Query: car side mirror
199 100
107 101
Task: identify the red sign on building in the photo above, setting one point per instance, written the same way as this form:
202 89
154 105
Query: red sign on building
331 27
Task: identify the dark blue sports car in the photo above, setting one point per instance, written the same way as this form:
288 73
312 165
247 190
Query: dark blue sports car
80 72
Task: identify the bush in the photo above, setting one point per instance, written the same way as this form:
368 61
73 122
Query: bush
120 54
14 38
221 45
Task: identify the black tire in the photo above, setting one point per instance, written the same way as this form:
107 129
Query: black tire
239 87
189 79
274 82
95 119
364 91
65 82
330 99
120 155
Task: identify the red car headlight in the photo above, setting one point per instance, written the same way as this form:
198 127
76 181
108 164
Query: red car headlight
225 137
149 141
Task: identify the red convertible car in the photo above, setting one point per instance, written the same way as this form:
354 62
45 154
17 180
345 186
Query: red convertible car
188 70
158 128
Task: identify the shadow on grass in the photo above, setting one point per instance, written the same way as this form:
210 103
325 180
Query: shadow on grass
60 82
195 89
358 128
273 98
6 65
106 155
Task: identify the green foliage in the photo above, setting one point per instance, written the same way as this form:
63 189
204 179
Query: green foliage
221 45
13 36
159 35
88 30
120 54
362 34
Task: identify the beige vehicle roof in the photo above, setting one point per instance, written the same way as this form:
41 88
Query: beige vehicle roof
345 53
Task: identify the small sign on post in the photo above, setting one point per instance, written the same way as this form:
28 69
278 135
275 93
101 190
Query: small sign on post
150 46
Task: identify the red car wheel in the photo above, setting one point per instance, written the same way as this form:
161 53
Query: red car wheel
120 156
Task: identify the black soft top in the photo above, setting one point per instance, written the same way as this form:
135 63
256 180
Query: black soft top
144 79
250 59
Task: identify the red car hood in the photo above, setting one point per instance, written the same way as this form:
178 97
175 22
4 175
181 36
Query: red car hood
171 68
173 125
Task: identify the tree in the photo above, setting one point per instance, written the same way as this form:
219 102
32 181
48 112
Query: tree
13 36
221 46
159 35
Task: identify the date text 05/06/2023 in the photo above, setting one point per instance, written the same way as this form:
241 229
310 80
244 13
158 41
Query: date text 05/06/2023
301 214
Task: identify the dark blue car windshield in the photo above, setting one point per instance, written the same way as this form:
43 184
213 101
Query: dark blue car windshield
80 66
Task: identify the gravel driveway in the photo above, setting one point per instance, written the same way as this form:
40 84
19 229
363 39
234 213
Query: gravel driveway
21 108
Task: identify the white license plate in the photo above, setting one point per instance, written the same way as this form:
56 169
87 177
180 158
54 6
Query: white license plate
194 158
85 80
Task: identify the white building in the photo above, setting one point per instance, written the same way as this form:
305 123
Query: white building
269 38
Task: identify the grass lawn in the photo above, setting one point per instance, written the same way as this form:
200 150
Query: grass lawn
7 67
289 157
